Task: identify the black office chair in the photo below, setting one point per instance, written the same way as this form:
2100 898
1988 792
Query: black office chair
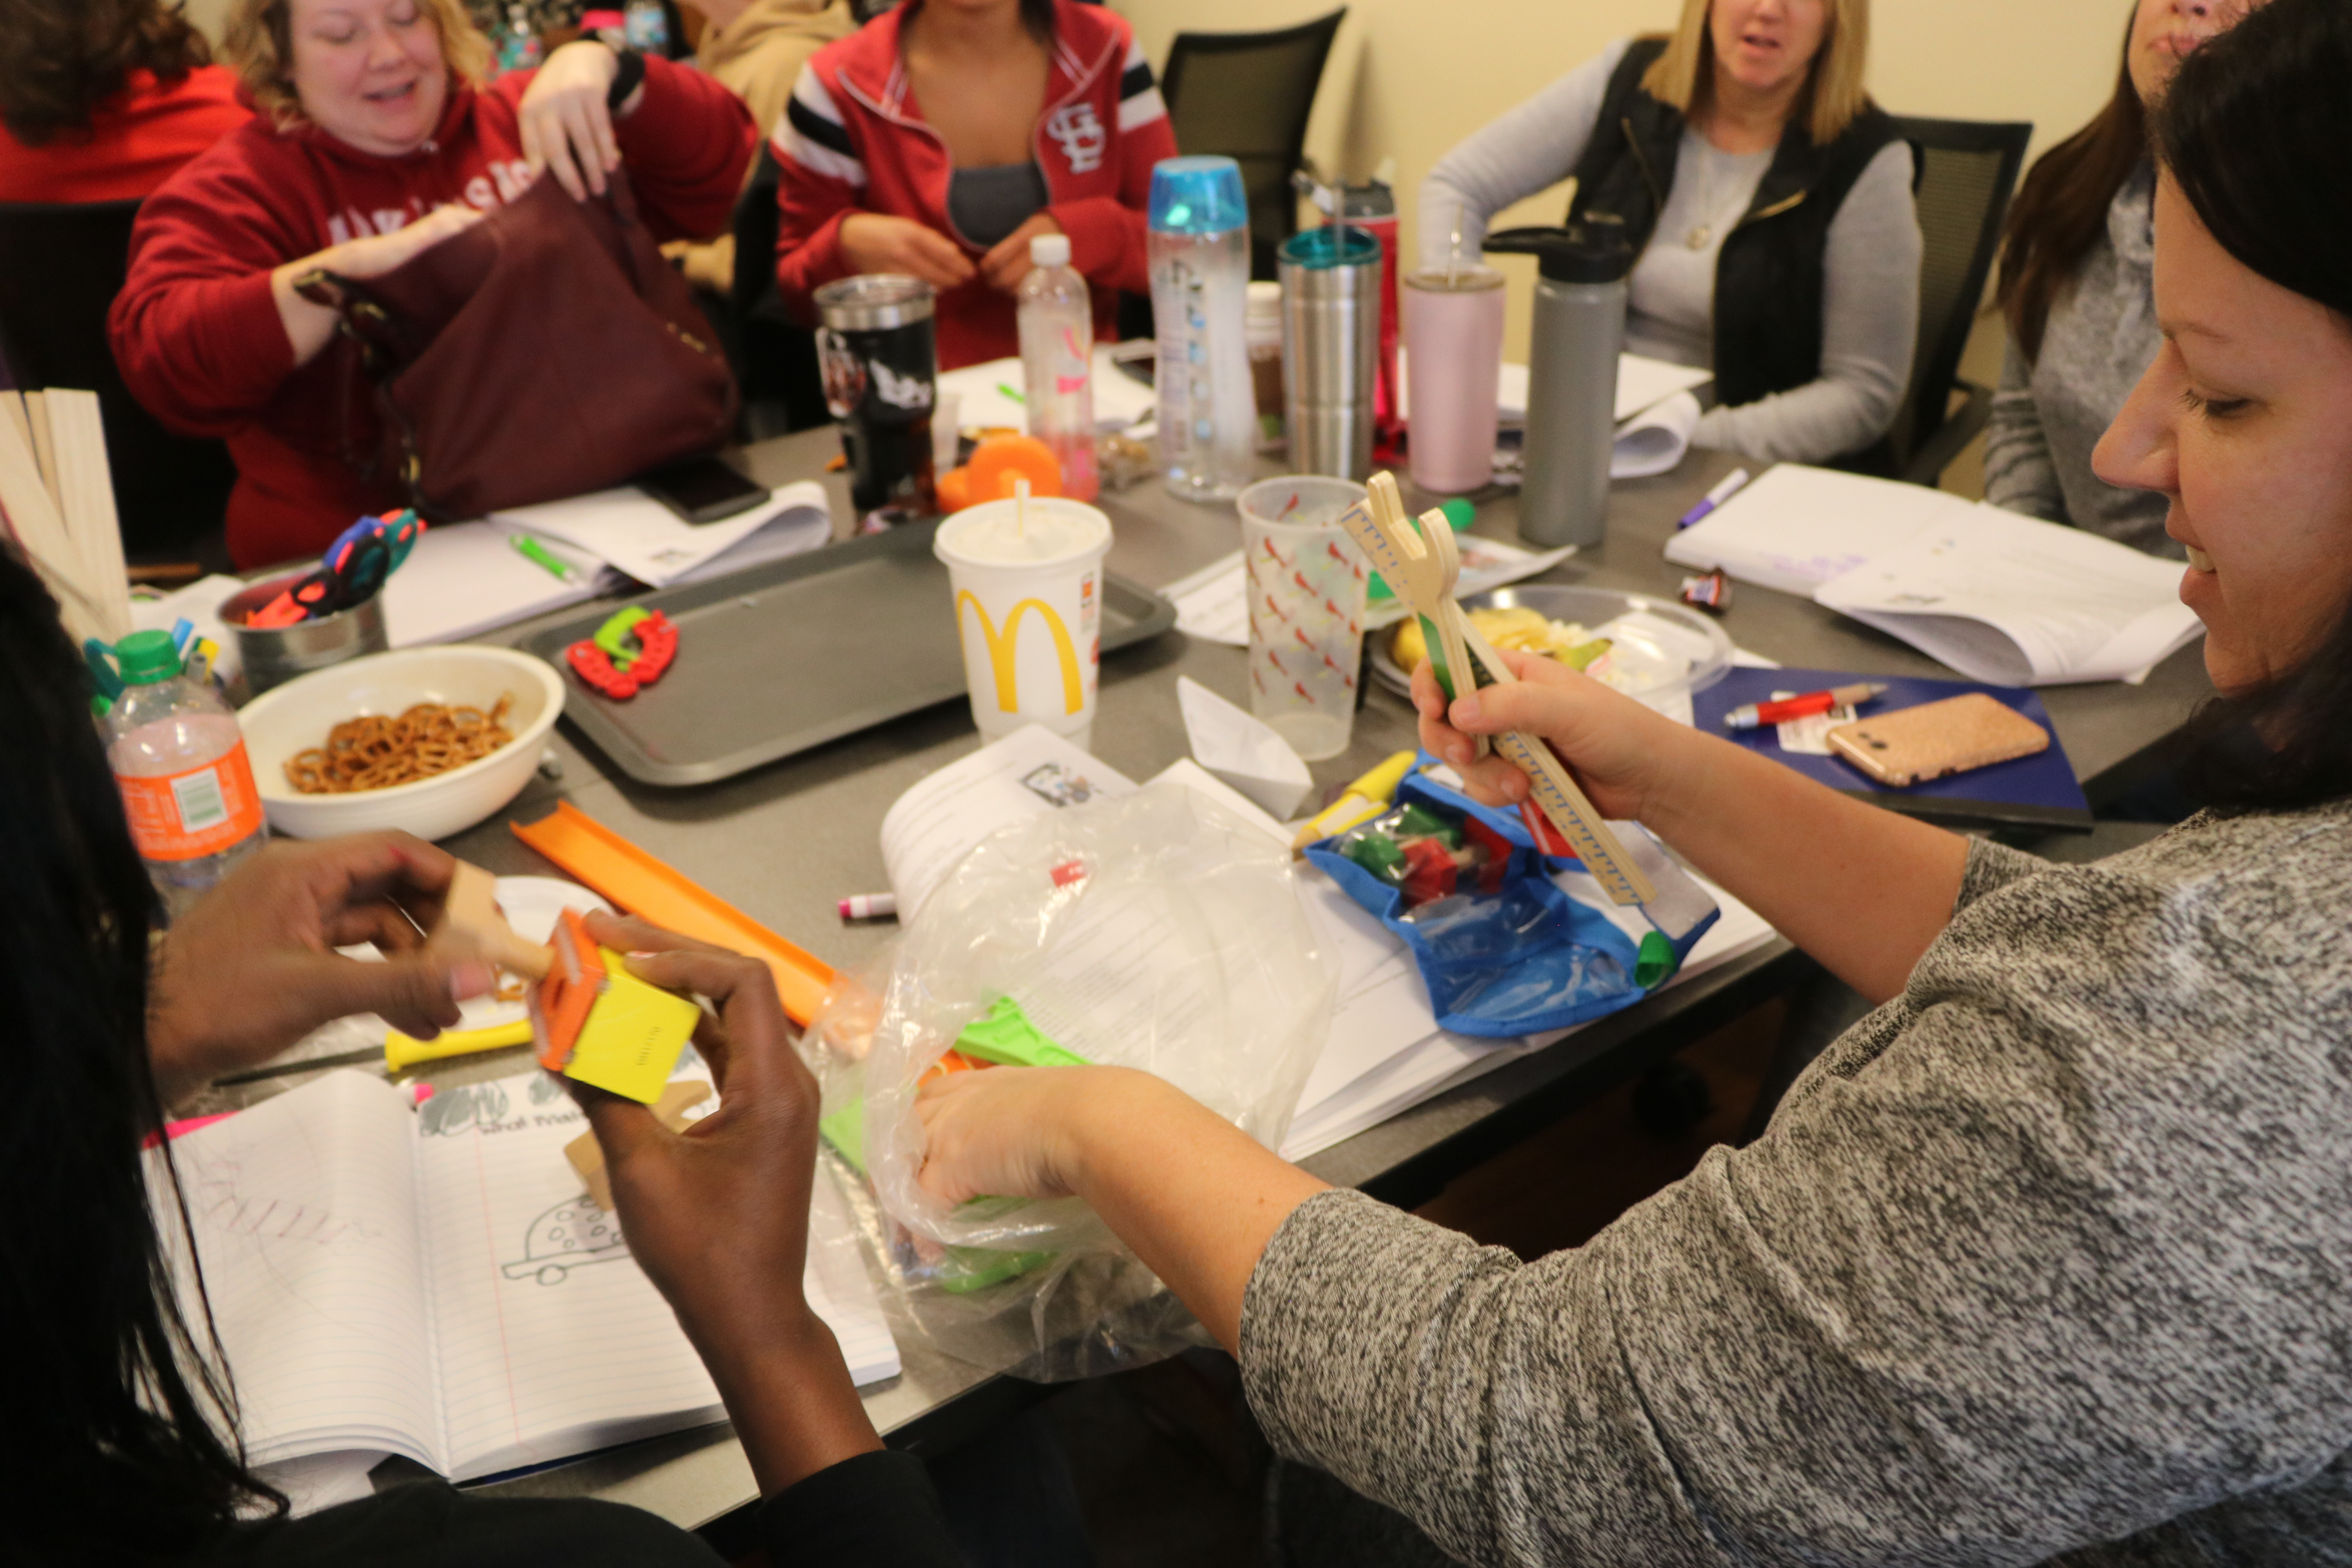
1967 171
1247 95
60 268
775 361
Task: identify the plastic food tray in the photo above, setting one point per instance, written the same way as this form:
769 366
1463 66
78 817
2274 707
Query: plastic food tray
788 654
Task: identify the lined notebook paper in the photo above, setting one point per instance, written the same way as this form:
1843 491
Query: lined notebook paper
434 1282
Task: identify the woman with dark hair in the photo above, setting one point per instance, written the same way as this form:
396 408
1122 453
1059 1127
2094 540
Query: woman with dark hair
120 1425
102 101
941 138
2075 290
2050 1257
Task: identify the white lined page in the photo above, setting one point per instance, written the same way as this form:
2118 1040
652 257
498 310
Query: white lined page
306 1226
552 1340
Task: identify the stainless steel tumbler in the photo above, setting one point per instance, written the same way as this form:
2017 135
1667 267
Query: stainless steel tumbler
1330 346
1579 331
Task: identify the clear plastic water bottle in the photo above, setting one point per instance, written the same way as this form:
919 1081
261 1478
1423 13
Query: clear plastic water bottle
1057 339
1199 247
646 26
179 759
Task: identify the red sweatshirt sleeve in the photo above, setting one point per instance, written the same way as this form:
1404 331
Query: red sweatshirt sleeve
687 145
196 330
1106 242
821 175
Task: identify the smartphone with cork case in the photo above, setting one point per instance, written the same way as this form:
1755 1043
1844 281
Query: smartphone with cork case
1936 739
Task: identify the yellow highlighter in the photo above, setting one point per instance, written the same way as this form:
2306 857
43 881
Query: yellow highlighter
1365 799
401 1052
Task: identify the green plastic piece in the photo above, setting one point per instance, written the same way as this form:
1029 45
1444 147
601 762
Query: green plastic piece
1655 962
1379 854
616 636
1008 1038
147 657
846 1130
1420 822
1583 654
1437 666
969 1269
1458 511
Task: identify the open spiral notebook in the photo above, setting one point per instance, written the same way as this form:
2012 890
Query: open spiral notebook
433 1282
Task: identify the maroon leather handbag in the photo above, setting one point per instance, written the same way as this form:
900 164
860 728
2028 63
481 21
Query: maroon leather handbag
546 352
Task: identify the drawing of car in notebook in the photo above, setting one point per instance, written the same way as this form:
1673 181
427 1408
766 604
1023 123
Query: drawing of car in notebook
574 1232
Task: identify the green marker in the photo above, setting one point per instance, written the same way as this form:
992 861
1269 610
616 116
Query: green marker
541 557
1006 387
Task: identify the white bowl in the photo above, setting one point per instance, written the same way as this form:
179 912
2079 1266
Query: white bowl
297 715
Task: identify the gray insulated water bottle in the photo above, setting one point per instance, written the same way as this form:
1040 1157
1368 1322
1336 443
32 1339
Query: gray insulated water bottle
1579 331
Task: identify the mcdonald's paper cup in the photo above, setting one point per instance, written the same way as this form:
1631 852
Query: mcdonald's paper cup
1028 579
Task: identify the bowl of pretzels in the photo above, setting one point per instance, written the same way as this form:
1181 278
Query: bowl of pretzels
430 740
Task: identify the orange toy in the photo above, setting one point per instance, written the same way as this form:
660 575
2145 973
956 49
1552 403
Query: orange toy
995 464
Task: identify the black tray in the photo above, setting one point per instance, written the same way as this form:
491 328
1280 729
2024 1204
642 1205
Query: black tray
788 654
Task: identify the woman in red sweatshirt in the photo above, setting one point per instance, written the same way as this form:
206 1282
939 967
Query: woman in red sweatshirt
373 142
939 139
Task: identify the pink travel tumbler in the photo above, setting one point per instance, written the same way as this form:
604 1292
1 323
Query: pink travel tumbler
1453 355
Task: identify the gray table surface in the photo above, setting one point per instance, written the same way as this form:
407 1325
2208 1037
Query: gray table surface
785 842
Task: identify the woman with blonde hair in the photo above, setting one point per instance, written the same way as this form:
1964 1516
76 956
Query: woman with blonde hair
376 137
1769 201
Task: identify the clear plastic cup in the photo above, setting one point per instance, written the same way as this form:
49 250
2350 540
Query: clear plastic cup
1306 608
1028 579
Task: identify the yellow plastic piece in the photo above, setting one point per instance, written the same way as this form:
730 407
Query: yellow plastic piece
401 1052
634 1034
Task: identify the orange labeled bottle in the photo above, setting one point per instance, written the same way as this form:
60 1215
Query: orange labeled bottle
179 758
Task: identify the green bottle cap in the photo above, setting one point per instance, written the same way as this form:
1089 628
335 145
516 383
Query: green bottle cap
147 657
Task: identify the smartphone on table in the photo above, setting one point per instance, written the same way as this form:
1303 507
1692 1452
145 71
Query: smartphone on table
702 490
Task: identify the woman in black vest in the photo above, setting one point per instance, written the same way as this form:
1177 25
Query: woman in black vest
1768 197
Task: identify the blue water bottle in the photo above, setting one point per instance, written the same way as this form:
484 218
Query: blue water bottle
1199 247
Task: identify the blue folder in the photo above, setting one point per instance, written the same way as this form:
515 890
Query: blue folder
2037 791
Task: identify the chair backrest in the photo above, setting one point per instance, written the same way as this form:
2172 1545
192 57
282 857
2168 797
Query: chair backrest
775 358
1247 95
1966 172
60 268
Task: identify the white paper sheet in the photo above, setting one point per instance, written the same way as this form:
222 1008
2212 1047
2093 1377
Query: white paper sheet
1655 441
466 578
2018 602
1642 384
1794 527
983 400
934 824
635 533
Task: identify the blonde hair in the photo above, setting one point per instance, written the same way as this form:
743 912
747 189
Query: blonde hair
1833 95
259 42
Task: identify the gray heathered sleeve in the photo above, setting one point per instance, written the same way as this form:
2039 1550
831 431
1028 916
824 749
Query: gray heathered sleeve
1512 157
1870 328
2019 471
1992 866
2060 1253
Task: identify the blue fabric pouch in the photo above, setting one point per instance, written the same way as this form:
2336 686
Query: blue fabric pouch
1520 957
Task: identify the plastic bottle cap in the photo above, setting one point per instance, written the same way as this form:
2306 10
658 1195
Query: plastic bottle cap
1197 196
147 657
1049 250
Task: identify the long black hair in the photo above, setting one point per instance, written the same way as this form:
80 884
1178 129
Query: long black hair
2246 131
118 1445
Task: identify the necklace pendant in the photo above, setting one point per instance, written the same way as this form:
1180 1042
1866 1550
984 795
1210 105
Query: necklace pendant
1699 237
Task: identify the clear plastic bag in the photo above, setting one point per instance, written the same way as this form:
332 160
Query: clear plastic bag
1157 930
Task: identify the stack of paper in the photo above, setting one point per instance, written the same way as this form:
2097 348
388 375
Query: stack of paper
2005 599
637 536
57 499
989 395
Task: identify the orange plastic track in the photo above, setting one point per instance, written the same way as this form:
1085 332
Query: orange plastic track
602 859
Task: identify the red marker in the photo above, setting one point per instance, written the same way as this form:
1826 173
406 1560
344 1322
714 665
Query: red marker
1756 715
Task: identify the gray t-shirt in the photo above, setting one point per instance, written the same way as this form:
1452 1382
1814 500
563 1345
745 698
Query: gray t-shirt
1871 289
2048 416
2047 1259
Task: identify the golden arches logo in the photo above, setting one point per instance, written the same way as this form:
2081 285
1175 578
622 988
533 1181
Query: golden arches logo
1002 646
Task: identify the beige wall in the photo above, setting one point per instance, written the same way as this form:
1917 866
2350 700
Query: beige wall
1409 78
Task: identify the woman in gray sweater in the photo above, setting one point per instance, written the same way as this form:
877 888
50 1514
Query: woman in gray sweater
2078 292
1770 203
2050 1258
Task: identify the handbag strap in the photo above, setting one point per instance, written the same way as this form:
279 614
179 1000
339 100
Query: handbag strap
375 331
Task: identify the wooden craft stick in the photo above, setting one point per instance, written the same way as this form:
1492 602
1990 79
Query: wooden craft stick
587 1155
471 907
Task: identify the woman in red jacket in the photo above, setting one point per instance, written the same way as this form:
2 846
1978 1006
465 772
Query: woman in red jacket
373 142
941 137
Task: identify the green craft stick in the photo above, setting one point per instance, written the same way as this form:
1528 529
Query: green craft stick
1008 1038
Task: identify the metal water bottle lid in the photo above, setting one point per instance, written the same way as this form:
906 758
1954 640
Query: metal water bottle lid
1579 253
